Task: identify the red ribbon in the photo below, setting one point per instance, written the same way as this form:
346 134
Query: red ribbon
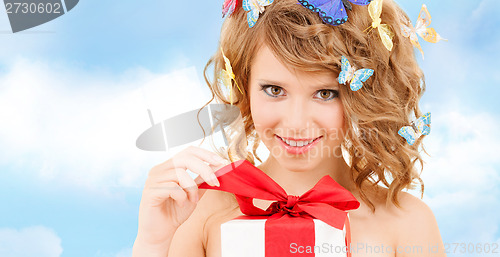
289 215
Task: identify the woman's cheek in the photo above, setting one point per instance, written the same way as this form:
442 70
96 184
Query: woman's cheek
333 122
263 119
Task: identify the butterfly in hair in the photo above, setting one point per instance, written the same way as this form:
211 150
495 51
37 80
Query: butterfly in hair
417 128
355 77
226 77
254 9
228 7
332 12
384 30
422 29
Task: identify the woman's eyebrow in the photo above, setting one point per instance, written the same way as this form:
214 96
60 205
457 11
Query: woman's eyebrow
270 82
326 86
315 87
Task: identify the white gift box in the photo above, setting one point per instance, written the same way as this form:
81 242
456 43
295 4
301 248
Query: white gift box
246 238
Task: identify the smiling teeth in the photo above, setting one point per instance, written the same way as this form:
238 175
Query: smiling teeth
297 143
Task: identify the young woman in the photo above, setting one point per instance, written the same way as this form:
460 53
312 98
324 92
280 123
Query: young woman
286 68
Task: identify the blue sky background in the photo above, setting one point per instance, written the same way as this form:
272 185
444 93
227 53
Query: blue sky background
73 99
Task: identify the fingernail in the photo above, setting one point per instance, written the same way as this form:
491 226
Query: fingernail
214 180
218 159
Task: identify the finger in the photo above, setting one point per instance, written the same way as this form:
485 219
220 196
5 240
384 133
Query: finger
180 177
220 166
177 193
188 184
199 167
200 153
159 174
199 180
162 191
206 155
162 176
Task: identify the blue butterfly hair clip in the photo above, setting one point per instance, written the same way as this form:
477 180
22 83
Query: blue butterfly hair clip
332 12
254 9
418 128
353 76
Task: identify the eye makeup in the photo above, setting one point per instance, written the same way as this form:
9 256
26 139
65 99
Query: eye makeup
333 93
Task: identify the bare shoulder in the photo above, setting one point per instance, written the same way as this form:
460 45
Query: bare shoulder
190 237
416 227
412 211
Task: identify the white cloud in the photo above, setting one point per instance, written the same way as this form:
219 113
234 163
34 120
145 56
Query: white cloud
463 151
37 241
73 127
461 175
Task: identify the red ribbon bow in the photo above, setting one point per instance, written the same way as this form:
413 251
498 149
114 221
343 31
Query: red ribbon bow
327 201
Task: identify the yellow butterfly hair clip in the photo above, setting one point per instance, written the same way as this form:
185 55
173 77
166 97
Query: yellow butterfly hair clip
422 29
384 30
226 76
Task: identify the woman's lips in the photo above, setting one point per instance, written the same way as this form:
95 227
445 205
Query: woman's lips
294 139
297 149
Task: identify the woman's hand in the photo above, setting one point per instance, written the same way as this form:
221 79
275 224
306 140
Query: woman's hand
170 195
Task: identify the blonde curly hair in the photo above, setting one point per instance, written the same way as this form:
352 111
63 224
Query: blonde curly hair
374 114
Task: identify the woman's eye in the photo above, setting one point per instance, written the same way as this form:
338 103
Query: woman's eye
272 90
325 94
328 94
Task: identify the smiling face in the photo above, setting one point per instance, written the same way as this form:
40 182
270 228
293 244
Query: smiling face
291 104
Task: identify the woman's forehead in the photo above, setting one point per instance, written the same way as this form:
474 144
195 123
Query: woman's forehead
266 68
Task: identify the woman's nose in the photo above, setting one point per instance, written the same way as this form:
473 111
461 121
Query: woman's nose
297 116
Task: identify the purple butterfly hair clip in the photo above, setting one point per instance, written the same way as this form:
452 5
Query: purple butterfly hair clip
332 12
